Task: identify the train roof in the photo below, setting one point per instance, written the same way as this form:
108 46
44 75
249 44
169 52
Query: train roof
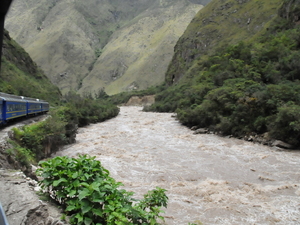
16 98
9 97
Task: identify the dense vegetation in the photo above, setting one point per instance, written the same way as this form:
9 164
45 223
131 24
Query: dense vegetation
89 110
36 141
220 23
92 197
249 87
21 76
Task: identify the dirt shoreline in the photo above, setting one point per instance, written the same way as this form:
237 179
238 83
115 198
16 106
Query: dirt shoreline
18 193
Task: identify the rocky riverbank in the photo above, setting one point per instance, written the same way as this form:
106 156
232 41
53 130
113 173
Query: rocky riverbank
263 139
18 192
20 201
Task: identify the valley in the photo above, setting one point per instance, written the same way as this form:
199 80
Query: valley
91 45
208 178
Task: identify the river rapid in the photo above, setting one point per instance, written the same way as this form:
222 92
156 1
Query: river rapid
208 178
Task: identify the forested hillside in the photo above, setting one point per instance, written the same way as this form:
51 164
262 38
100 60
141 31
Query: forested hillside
239 79
21 76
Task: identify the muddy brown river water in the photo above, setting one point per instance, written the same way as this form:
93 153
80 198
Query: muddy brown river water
208 178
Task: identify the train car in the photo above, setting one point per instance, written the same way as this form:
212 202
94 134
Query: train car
45 106
3 220
33 106
1 111
12 107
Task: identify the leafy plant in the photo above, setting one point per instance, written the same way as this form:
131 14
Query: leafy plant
24 156
92 197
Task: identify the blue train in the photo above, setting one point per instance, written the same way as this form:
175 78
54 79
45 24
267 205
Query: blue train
13 106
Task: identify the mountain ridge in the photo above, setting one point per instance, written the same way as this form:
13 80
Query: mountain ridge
229 21
67 38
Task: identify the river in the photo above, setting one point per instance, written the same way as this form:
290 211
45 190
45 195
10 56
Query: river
208 178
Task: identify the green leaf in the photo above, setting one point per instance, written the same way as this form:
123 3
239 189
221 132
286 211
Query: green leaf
97 212
57 182
72 193
79 217
76 183
99 198
87 221
71 208
84 193
95 186
75 175
84 184
86 206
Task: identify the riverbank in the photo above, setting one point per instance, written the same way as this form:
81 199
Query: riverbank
19 193
208 178
212 179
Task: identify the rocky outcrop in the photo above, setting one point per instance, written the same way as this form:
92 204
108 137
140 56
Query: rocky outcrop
21 203
291 11
141 101
263 139
282 144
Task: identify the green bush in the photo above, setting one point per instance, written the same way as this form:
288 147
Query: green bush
286 125
24 156
88 110
38 136
92 197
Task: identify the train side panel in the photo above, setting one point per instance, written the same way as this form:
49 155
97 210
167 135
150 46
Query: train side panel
2 119
33 107
14 109
45 107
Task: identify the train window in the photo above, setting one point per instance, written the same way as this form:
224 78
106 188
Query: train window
34 106
16 107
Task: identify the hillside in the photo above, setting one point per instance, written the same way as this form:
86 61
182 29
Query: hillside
242 81
220 24
85 46
21 76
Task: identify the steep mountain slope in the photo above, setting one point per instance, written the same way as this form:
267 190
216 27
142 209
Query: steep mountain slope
221 23
67 37
243 80
21 76
137 55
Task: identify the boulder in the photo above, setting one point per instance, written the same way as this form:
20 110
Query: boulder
201 131
141 101
281 144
